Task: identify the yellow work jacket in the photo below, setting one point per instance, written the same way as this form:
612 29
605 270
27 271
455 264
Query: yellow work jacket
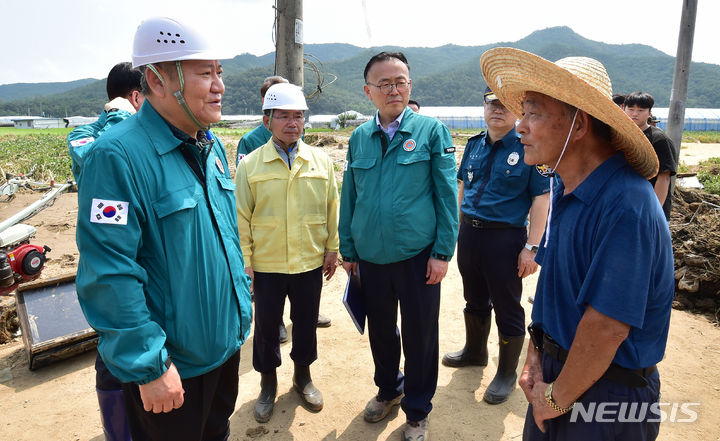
287 218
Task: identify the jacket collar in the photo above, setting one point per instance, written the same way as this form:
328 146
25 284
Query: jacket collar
270 154
157 128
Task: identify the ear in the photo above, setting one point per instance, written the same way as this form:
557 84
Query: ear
266 121
583 126
154 83
136 99
366 89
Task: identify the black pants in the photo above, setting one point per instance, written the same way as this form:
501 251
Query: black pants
628 415
487 260
383 287
209 402
104 379
303 290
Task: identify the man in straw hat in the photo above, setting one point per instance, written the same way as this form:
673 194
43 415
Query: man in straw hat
161 275
603 300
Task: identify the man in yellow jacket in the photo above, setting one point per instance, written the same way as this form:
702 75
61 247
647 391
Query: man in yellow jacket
287 205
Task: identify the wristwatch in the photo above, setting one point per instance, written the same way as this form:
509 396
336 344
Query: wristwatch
533 248
442 257
552 403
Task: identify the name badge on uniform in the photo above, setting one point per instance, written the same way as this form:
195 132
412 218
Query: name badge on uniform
219 164
513 158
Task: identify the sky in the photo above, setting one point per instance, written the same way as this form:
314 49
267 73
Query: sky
50 40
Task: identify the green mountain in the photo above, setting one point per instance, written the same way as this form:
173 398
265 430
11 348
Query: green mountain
18 91
443 76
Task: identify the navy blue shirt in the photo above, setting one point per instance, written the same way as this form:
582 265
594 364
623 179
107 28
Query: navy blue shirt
610 248
508 193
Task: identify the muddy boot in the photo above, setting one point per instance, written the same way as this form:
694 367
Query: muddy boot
475 352
112 412
266 400
506 376
310 396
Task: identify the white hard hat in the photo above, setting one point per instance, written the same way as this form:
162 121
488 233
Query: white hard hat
285 96
159 39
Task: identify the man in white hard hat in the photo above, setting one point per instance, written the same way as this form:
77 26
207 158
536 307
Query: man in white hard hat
161 276
602 307
287 206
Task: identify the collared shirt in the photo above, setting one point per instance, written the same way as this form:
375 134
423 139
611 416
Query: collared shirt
287 218
289 156
511 186
81 139
394 206
161 271
392 127
609 248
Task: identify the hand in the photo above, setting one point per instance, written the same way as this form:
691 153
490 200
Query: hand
541 409
329 265
121 104
350 266
531 373
526 263
249 271
163 394
436 270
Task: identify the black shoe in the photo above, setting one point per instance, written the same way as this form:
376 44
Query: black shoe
506 377
475 352
323 322
283 333
309 394
266 400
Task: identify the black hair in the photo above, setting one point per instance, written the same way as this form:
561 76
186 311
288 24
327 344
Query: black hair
385 56
640 99
618 99
122 80
414 102
271 81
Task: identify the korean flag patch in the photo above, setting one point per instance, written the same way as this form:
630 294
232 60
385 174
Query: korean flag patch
82 141
104 211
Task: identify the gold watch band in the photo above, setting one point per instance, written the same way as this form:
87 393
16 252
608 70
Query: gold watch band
551 402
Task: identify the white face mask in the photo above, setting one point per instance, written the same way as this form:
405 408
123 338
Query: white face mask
552 179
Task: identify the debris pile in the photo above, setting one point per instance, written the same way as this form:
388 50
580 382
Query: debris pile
695 228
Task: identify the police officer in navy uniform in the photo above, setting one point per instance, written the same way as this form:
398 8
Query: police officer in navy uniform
496 190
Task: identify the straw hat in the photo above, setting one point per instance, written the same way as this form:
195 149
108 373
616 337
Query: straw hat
578 81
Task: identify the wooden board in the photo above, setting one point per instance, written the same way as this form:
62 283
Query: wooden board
53 325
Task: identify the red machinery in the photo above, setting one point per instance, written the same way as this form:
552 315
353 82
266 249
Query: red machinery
19 260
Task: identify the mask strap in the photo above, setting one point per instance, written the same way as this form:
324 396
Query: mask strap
552 180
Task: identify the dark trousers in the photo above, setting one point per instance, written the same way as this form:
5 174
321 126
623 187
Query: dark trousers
303 290
104 379
637 408
383 287
488 261
209 402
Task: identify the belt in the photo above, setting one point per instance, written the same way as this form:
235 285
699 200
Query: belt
484 224
615 373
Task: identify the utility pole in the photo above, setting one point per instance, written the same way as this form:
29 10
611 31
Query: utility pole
289 40
678 96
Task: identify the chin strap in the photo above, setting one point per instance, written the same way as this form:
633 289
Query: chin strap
179 94
552 180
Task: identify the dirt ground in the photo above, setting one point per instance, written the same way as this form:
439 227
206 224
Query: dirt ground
58 402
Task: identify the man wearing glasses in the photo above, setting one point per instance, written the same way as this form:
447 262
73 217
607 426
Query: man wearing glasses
495 252
398 227
287 208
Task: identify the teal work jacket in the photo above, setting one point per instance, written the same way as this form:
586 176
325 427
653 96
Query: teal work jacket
83 137
394 206
161 271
